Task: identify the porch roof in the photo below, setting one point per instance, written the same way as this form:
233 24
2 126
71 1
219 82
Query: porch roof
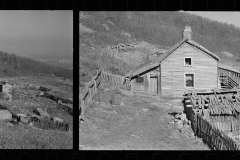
227 67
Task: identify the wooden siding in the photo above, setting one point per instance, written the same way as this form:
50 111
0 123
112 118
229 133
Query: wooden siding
144 87
173 70
140 87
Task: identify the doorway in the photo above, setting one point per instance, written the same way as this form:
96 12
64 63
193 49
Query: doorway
153 85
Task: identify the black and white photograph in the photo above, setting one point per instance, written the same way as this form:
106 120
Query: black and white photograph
159 80
36 79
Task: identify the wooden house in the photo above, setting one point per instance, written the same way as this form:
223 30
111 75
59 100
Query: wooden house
185 66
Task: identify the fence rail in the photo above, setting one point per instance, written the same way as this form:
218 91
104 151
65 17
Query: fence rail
215 138
89 93
227 82
90 89
210 121
116 80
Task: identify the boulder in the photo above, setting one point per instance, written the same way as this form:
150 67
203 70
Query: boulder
57 119
183 117
5 115
24 119
177 116
41 93
43 113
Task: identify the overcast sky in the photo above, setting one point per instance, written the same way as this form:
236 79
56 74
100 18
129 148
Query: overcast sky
36 32
227 17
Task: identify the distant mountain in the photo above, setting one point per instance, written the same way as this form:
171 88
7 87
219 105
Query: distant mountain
58 60
48 57
13 65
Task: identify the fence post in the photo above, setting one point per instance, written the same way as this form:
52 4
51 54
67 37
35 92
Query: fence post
95 87
81 110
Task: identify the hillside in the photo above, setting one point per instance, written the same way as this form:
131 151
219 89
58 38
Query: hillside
13 65
57 60
100 31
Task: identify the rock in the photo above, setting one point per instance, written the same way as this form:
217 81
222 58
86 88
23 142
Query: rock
177 109
180 126
24 120
178 122
57 119
177 116
43 113
5 115
34 117
144 109
121 104
183 117
41 93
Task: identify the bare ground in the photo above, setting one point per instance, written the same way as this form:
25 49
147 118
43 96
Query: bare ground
141 123
22 136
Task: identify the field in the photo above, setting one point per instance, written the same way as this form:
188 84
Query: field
139 123
25 100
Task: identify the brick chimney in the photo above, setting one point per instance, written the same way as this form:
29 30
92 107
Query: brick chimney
187 32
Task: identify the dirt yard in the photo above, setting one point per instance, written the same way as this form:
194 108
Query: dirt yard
139 123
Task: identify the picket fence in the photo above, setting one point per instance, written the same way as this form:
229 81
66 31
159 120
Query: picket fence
211 135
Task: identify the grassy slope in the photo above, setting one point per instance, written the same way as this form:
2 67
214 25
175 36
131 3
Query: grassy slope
12 65
162 29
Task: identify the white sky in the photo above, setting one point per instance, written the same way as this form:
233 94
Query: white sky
227 17
36 32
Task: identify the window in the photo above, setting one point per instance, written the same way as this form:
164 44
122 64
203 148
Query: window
187 61
139 80
189 80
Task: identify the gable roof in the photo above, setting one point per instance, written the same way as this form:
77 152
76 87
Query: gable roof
154 63
191 42
227 67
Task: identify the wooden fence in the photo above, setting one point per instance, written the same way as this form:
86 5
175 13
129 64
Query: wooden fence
215 138
213 115
117 80
89 93
90 89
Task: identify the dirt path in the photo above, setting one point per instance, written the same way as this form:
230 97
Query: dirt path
142 123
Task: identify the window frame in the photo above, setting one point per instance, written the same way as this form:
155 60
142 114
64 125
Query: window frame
140 82
185 61
185 84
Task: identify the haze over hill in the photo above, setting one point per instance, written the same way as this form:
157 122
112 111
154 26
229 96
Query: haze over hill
39 35
100 30
13 65
59 60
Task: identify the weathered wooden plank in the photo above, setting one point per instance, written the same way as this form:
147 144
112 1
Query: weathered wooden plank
173 69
